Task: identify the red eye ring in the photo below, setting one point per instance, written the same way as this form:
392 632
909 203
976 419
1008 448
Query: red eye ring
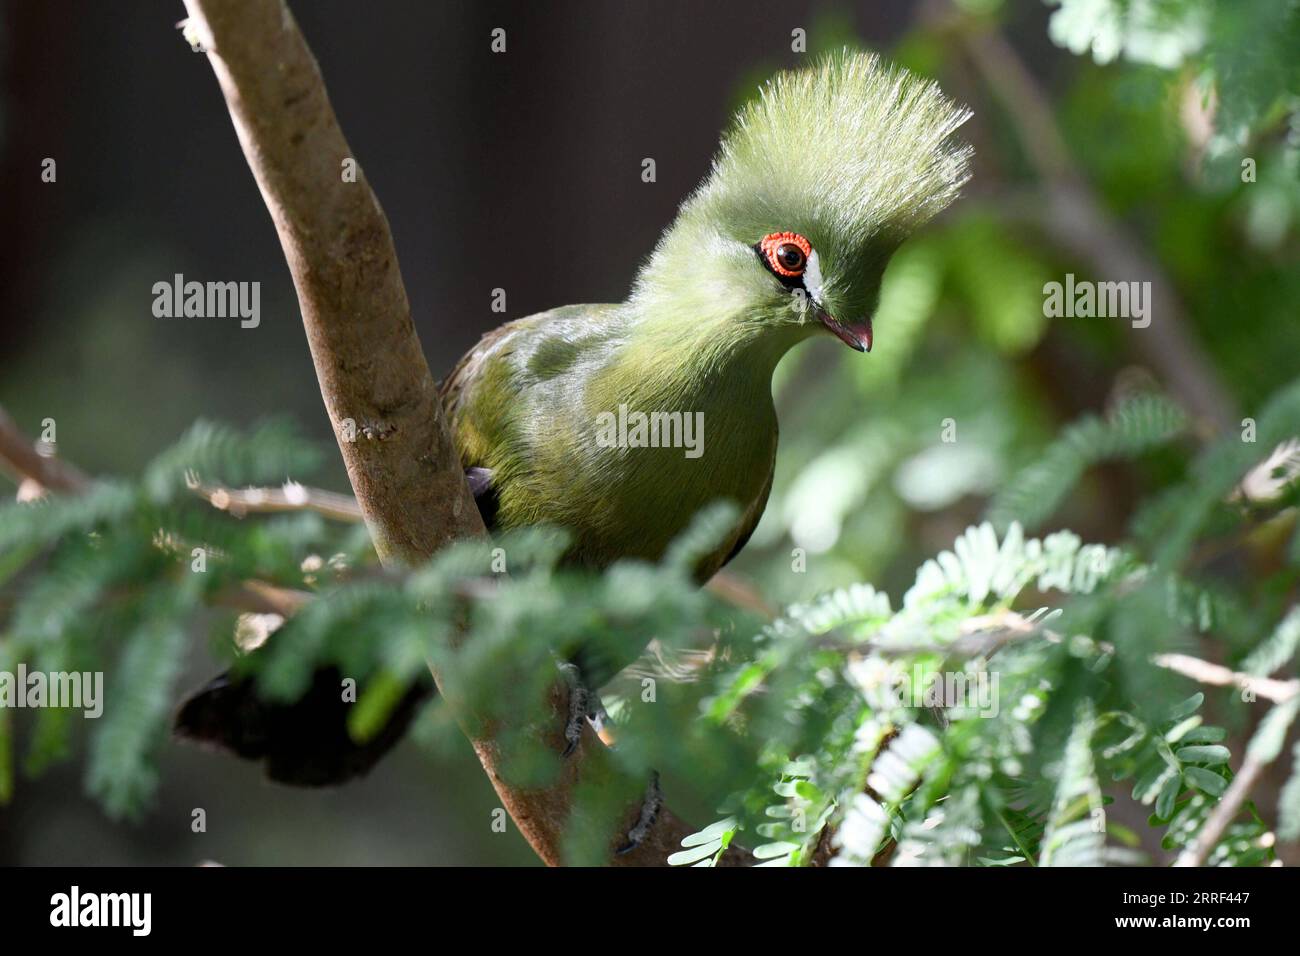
786 253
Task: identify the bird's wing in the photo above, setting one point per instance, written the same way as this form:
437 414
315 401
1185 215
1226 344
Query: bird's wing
714 563
453 388
482 392
454 391
749 521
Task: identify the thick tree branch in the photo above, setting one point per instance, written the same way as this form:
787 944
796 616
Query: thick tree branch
381 398
373 376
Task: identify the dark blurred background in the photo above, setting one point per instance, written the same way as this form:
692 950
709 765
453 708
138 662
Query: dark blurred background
522 171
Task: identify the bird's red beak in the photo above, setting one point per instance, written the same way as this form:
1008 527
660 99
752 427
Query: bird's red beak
856 335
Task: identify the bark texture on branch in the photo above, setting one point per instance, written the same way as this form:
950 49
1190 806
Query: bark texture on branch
372 371
402 464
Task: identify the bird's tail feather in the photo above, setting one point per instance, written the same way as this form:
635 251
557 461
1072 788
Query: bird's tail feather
305 743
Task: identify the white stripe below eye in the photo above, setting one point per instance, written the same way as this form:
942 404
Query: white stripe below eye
812 277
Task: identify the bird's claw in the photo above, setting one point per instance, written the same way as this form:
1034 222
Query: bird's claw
576 719
583 704
650 806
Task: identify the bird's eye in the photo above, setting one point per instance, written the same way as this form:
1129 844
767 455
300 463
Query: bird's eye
785 253
790 256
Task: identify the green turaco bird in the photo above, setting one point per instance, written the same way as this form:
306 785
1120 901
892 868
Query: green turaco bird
620 422
816 184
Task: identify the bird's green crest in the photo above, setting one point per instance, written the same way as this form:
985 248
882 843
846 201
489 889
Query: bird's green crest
859 149
851 155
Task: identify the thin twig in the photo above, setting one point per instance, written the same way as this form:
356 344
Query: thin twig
1225 811
1278 691
24 462
291 496
987 635
258 597
740 593
1230 804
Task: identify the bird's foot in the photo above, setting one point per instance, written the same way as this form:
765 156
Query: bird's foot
650 807
584 705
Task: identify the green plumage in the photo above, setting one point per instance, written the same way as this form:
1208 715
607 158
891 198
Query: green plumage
852 155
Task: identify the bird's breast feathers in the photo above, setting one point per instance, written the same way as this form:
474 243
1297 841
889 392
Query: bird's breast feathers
622 461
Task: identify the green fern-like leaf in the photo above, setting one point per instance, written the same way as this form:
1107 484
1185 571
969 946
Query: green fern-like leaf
1134 427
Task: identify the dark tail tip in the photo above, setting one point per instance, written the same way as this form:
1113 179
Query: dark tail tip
303 744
